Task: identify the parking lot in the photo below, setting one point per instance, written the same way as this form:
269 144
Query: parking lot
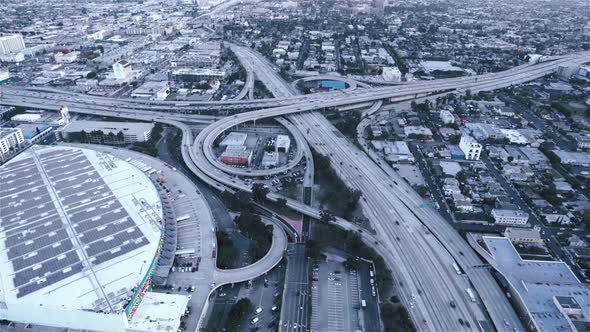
335 298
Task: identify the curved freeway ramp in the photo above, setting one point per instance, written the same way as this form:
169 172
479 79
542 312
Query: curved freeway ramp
263 265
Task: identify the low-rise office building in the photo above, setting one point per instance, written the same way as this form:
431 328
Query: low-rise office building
509 216
470 147
152 90
524 235
197 74
237 155
107 132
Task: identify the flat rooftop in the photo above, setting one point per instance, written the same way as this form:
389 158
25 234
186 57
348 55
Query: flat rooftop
540 284
159 312
150 88
4 132
78 229
129 128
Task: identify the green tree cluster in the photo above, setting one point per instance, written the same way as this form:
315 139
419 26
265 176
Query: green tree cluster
237 314
339 198
226 253
396 318
251 225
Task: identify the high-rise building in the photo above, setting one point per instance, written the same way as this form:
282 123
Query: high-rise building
9 139
10 44
123 70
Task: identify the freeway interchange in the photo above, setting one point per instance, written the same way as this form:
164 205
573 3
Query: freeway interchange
418 245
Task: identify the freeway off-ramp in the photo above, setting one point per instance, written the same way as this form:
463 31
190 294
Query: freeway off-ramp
420 250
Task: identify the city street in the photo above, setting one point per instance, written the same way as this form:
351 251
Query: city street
295 308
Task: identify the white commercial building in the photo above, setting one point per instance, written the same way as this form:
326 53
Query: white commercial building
524 235
470 147
447 117
391 74
283 143
123 71
132 132
573 158
4 75
398 151
269 159
234 138
155 90
10 138
66 58
11 44
509 216
197 74
13 57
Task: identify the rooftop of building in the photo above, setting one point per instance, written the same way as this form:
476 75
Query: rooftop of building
282 140
198 71
509 213
129 128
4 132
78 229
540 284
234 138
518 232
150 87
159 312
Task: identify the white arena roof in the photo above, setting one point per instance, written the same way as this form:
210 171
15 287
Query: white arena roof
79 231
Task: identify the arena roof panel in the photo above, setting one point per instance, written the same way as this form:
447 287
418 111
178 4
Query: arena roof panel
66 213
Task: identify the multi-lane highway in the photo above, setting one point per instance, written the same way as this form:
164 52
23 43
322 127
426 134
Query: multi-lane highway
417 244
513 76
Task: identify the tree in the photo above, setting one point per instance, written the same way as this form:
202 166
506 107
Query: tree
227 253
314 250
326 216
237 313
395 318
259 192
351 264
281 202
586 219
